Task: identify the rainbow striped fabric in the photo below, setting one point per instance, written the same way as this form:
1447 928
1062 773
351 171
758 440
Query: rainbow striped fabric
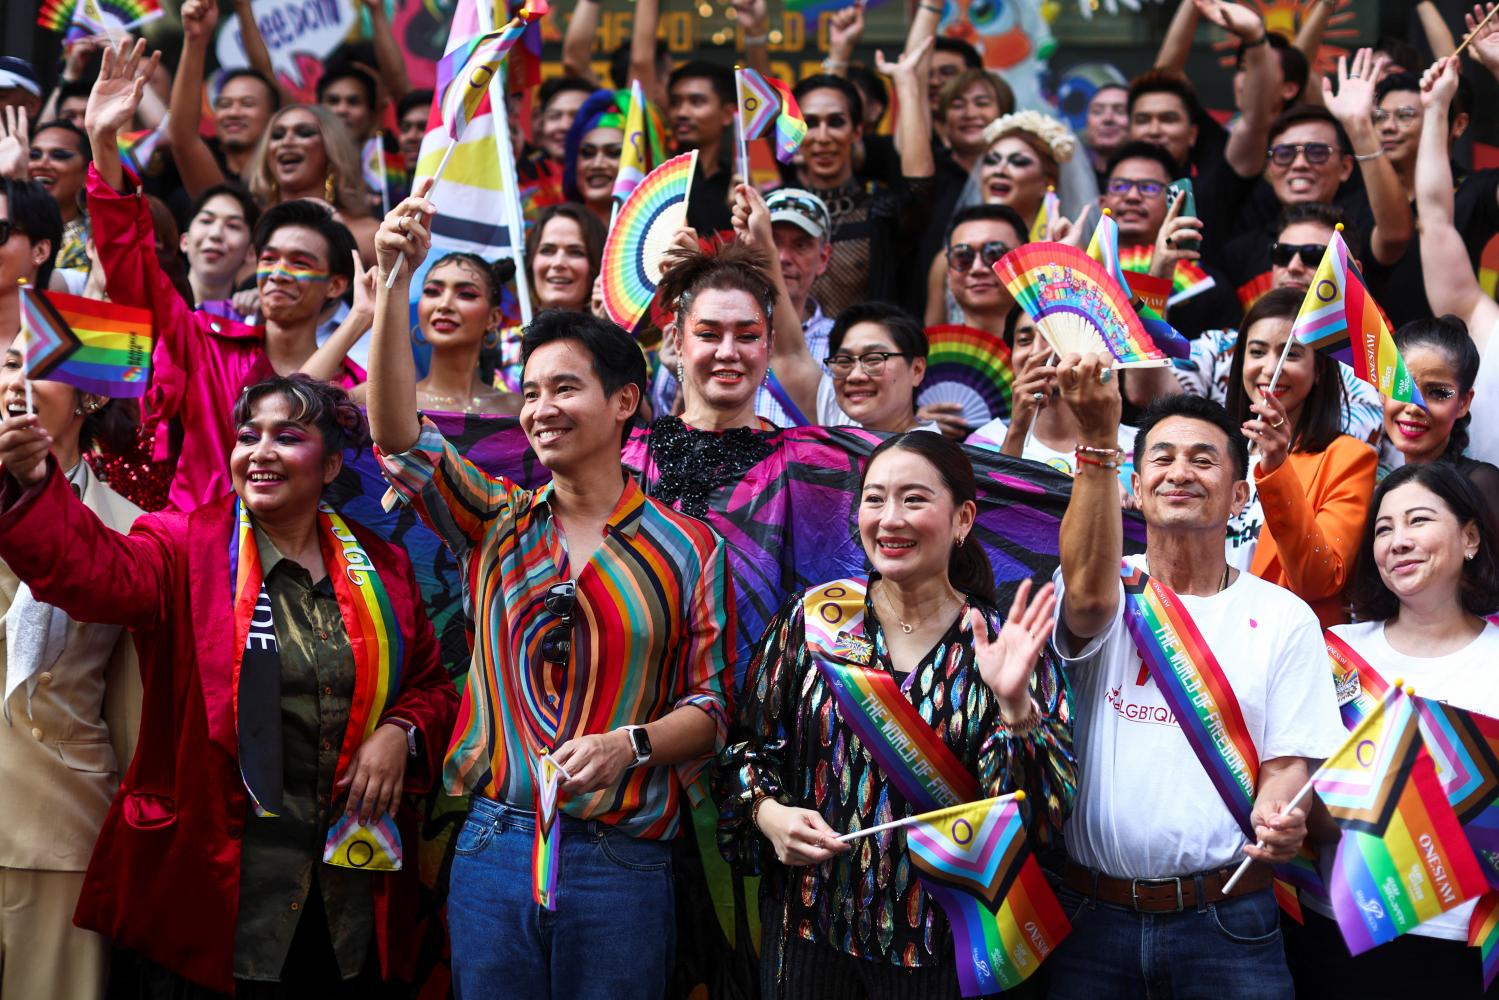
1483 934
137 148
1196 688
1358 684
1340 317
975 862
1465 748
652 622
1402 858
84 18
1104 248
546 847
909 752
1050 211
764 100
1187 278
95 346
642 148
379 652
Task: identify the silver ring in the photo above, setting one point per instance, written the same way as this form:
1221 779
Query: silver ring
1105 375
1353 76
1038 396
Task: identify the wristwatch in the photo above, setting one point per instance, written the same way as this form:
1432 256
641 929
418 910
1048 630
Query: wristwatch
413 748
640 743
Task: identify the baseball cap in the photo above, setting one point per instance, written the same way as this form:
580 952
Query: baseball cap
802 209
17 72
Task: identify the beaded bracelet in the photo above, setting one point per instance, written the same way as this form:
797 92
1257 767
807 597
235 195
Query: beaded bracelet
1025 726
760 800
760 39
1085 460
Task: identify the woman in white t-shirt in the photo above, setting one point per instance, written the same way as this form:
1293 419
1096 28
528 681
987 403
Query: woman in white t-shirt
1040 428
1427 574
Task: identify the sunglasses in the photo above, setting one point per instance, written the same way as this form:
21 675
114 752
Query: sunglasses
9 228
1281 254
1283 154
961 256
557 643
1148 189
1404 115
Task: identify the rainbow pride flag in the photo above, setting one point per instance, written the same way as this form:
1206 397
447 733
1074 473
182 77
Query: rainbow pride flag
1465 749
95 346
642 148
1402 858
1187 279
1195 687
1340 317
765 101
1104 248
1483 933
137 148
384 169
546 847
975 862
1049 212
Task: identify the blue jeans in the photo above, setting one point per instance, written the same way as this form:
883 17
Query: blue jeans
612 935
1224 951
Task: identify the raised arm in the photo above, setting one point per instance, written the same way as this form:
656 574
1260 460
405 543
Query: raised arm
327 361
1313 28
754 26
404 236
794 367
1451 285
1092 541
924 22
389 59
1353 106
256 52
1263 78
577 41
845 28
195 161
1438 36
913 125
643 44
1484 43
1177 44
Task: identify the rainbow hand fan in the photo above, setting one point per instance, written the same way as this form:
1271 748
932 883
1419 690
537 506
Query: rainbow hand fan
969 367
1076 305
641 234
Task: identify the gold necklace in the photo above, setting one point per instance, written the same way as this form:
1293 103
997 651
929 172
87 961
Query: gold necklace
904 627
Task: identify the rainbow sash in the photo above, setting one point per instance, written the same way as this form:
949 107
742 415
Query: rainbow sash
1359 685
906 748
378 647
1196 689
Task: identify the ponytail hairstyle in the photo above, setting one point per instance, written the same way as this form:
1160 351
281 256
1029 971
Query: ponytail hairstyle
968 568
1449 335
729 267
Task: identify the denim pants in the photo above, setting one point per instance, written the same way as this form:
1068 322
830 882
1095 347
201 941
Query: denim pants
613 932
1230 950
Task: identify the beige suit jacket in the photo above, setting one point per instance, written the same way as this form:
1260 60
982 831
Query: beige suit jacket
60 763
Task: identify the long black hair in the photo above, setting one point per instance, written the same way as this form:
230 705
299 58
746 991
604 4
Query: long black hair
968 568
1479 587
1321 418
1449 335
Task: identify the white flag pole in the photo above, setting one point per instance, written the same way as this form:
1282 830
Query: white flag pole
380 166
512 189
880 828
744 172
25 339
447 154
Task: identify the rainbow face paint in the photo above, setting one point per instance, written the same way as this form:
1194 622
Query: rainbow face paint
281 269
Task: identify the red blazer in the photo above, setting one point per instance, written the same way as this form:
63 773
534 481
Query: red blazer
164 876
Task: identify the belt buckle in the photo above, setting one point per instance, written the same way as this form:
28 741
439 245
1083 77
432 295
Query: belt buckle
1134 890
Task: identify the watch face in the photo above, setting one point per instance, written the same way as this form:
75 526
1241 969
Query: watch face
642 743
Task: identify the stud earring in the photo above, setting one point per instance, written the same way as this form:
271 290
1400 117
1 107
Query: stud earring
329 186
681 373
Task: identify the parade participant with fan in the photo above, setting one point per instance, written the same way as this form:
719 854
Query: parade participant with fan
1000 703
255 842
1174 789
1040 428
1309 483
604 630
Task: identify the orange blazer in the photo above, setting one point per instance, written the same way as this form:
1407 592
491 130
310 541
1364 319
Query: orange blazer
1315 506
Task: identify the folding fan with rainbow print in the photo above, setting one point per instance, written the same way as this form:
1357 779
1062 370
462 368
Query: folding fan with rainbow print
969 367
81 18
1076 305
640 236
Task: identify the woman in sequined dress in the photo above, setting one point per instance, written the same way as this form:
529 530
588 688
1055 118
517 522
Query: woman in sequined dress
851 919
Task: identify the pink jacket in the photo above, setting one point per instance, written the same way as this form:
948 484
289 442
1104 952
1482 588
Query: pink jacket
201 363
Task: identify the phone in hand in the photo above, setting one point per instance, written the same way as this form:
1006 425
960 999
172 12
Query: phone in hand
1183 189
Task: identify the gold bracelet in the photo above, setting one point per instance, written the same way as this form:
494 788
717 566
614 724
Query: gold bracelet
760 800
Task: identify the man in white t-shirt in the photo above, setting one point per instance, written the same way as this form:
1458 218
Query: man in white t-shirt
1150 841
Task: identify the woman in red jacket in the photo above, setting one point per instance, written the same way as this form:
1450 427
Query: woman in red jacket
292 694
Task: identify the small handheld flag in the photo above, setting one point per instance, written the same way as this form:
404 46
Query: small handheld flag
641 150
1050 211
1340 317
546 847
137 148
98 347
765 101
1104 248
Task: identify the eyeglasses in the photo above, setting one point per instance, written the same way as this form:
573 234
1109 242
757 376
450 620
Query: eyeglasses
961 256
9 228
1404 115
1148 189
1283 154
841 366
1281 254
557 643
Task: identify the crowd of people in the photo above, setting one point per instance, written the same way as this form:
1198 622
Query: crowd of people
226 707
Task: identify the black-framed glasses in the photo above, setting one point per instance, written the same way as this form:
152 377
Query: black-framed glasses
1283 154
1148 189
1281 254
962 256
1404 115
557 643
9 228
841 366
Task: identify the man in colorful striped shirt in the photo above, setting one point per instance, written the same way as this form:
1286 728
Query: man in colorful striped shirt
603 625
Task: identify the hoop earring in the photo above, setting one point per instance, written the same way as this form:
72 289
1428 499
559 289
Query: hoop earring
330 185
959 543
492 338
416 336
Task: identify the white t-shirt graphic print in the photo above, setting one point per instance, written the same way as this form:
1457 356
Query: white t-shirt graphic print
1145 806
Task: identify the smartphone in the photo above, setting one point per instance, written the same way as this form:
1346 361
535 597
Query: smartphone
1184 187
